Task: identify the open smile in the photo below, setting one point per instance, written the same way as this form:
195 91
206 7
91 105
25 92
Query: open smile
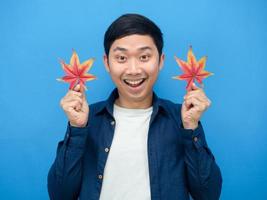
134 82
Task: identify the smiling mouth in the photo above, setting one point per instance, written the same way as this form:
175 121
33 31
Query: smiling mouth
134 83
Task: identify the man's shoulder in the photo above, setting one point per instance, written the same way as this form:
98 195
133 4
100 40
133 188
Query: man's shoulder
172 108
169 105
97 106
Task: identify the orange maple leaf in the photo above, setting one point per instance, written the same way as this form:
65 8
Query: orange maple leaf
192 69
76 73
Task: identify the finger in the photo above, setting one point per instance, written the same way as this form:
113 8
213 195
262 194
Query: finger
193 93
75 95
72 94
194 90
199 91
199 99
190 115
74 105
200 96
75 98
78 107
72 112
71 104
82 90
196 104
189 103
184 107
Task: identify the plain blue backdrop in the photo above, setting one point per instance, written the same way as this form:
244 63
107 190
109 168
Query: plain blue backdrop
35 33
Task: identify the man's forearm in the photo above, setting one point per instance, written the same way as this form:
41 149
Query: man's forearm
64 178
203 174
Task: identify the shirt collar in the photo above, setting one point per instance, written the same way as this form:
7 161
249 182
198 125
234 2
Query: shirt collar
157 104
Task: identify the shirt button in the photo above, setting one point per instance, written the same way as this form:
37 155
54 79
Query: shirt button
100 176
112 123
106 150
195 139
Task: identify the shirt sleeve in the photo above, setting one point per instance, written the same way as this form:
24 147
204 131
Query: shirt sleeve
65 174
203 174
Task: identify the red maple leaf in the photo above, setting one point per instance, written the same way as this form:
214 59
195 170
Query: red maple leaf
76 73
192 69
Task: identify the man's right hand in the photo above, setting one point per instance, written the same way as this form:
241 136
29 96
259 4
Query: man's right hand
76 107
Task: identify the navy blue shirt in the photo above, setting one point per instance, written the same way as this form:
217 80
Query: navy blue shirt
180 162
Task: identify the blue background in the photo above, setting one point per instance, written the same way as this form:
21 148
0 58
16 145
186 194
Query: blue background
34 34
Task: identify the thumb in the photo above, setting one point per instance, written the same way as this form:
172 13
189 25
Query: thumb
77 88
193 87
80 88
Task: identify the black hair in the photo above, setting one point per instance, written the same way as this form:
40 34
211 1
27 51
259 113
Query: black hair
129 24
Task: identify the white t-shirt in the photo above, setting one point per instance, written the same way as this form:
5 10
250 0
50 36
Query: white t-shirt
126 174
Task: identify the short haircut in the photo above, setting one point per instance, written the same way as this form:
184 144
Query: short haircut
129 24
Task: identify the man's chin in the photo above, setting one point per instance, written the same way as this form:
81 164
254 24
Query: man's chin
143 98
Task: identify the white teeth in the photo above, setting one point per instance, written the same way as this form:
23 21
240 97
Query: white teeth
133 82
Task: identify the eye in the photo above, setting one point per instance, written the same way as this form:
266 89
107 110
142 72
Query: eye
121 59
144 58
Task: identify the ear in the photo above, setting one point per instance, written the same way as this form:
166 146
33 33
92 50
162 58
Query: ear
105 60
161 61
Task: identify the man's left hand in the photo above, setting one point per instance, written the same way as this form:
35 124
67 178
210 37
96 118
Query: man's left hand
195 103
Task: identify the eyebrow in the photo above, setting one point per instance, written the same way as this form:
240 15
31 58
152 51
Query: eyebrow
119 49
145 48
124 49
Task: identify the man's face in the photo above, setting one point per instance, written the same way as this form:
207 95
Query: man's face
134 64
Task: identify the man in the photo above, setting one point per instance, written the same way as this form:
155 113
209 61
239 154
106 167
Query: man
134 145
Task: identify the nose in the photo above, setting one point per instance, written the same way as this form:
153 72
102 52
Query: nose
133 67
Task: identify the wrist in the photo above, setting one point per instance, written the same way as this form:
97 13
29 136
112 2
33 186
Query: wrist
191 126
81 125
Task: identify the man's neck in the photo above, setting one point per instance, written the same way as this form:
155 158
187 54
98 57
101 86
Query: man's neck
141 104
